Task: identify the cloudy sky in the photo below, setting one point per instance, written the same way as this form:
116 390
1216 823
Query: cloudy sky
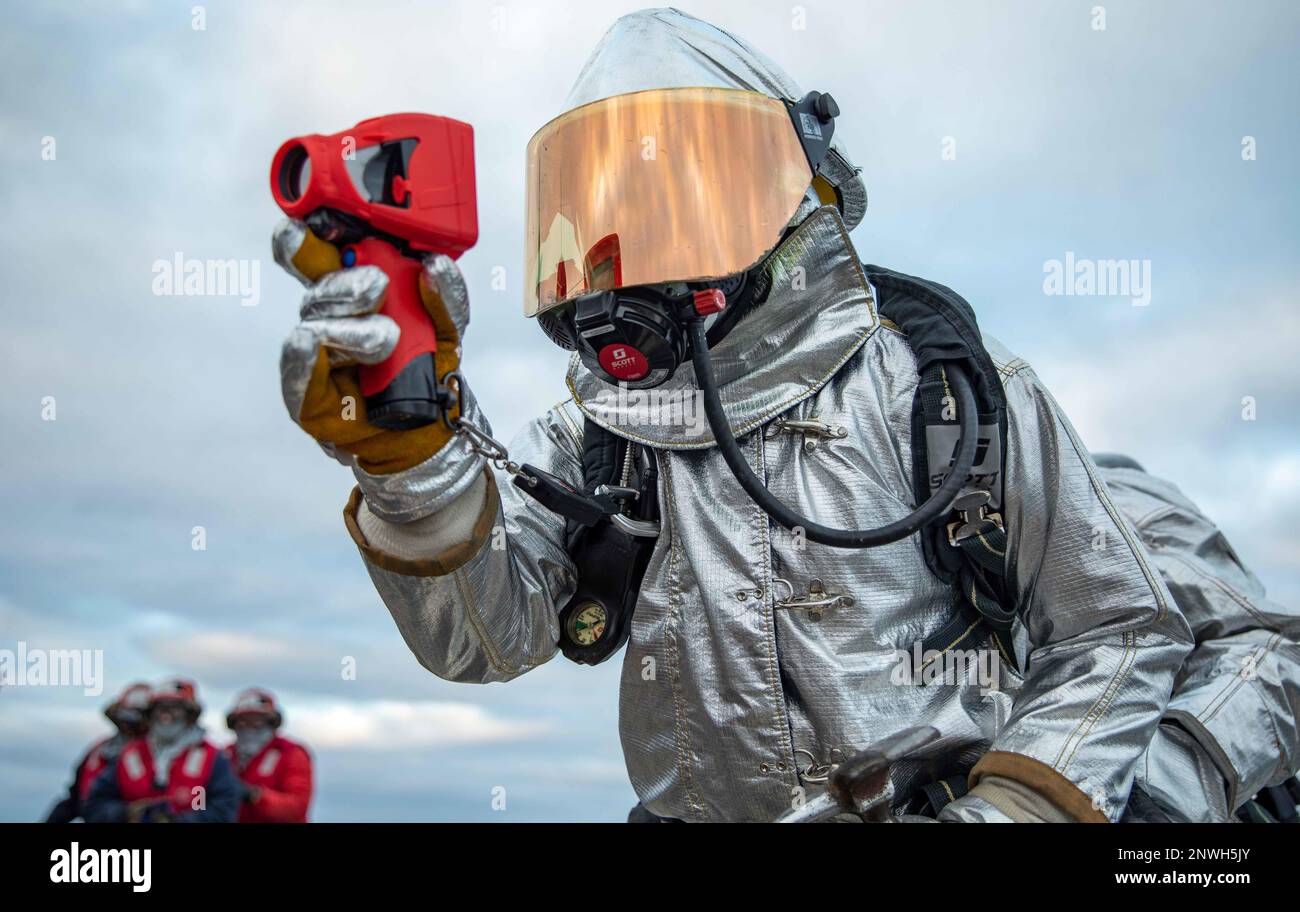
994 136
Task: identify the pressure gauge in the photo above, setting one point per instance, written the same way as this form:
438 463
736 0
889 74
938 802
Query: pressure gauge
587 623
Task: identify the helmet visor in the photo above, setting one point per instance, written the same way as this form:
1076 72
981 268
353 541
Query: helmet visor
666 185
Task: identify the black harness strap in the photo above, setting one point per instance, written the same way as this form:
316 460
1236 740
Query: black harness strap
970 552
609 562
941 793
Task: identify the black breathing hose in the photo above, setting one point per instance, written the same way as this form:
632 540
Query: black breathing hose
935 508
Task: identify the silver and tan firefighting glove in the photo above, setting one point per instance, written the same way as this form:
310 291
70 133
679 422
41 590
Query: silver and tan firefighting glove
404 475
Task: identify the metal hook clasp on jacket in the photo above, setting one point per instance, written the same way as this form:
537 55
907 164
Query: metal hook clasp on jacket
815 602
817 771
812 429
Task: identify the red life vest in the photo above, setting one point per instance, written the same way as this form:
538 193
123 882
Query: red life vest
282 770
190 769
91 766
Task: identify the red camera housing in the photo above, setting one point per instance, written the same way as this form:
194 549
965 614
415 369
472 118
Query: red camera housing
431 205
387 192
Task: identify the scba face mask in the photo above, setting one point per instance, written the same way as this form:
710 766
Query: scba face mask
646 210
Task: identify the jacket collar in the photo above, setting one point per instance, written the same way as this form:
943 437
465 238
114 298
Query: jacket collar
817 315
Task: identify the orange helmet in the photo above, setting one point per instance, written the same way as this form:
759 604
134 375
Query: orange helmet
256 702
176 690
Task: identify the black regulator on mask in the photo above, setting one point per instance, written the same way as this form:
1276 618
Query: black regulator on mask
638 337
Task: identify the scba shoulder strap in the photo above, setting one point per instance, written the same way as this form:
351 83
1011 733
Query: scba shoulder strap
968 551
610 554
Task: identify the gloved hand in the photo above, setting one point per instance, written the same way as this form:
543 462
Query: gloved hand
340 323
405 474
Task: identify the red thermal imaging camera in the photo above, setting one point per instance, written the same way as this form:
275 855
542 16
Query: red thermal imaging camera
387 192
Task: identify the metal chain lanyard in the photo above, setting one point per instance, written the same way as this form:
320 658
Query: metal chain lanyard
479 440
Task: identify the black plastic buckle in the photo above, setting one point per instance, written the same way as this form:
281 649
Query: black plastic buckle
557 496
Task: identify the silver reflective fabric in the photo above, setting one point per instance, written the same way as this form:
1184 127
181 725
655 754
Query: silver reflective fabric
444 276
1182 779
972 808
731 697
668 49
286 240
424 489
1237 697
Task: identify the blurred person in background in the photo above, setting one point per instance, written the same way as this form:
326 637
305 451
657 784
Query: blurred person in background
127 713
172 774
275 774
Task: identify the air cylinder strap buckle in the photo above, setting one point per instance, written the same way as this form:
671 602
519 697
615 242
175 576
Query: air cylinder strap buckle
975 517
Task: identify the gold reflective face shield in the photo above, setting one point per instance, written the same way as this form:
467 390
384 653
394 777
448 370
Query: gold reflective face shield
666 185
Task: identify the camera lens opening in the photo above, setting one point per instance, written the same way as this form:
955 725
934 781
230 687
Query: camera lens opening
295 174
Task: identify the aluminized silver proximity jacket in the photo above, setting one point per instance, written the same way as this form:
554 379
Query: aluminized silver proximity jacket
1237 697
731 697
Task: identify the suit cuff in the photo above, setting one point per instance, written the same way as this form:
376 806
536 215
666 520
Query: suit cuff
388 552
1042 779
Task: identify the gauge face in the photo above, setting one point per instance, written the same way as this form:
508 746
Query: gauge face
587 625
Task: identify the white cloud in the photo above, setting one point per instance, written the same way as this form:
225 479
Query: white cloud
208 651
386 725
